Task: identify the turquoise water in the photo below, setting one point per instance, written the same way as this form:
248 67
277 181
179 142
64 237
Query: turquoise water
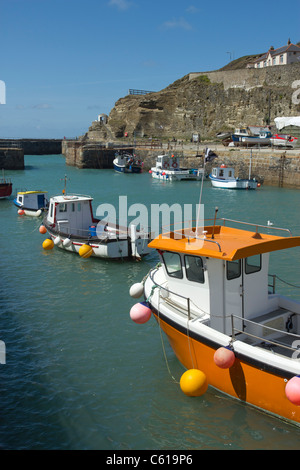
79 374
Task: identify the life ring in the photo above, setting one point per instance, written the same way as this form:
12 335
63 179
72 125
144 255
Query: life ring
165 165
174 165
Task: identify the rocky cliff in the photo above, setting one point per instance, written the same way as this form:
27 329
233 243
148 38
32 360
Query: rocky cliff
205 103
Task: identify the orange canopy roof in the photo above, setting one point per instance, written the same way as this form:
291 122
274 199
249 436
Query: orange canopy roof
223 242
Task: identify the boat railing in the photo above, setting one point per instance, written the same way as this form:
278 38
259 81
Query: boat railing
284 340
167 298
273 282
182 227
269 227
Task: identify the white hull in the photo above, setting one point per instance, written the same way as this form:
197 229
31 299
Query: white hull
107 247
234 184
169 175
283 143
33 213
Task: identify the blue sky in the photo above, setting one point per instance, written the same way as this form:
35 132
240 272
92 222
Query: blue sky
64 62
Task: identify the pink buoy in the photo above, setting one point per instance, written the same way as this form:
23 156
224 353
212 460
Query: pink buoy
21 212
292 390
140 313
42 229
150 171
224 358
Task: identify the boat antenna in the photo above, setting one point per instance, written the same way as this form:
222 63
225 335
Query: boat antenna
213 231
65 186
200 198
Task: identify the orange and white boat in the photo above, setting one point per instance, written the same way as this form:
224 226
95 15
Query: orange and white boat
212 297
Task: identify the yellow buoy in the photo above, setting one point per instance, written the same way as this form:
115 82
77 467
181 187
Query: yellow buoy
48 244
85 251
193 383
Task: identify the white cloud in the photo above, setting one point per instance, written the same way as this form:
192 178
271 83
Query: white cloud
120 4
180 23
42 106
192 9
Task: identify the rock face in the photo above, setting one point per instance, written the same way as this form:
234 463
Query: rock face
206 103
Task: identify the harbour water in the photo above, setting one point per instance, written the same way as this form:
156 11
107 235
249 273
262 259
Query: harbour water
79 374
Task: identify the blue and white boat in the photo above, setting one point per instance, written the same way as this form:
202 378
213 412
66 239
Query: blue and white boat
251 136
223 177
127 163
32 203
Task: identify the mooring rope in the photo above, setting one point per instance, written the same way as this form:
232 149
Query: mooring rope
285 282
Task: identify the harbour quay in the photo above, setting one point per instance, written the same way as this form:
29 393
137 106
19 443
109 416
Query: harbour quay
270 166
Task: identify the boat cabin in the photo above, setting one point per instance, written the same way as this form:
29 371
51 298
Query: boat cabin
224 273
165 162
72 214
223 172
32 200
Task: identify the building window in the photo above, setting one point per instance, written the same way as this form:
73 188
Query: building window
274 60
194 269
281 59
173 264
253 264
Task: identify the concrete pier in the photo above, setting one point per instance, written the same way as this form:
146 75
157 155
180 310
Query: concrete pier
34 146
276 167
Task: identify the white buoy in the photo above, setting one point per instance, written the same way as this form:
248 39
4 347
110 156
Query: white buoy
57 241
67 242
136 290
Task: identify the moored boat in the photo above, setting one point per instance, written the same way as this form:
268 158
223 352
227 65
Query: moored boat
5 187
248 137
32 203
167 168
223 177
126 163
284 140
72 227
212 297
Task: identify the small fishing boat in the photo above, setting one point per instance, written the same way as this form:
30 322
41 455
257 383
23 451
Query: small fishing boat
72 227
32 203
246 137
223 177
284 140
167 168
126 163
5 187
212 296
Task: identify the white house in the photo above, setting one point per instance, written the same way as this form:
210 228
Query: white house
282 56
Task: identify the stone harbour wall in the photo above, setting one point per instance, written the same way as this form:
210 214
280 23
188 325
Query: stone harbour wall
11 159
268 166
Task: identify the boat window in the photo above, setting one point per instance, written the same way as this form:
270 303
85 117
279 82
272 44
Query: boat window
253 264
173 264
79 206
233 269
62 207
221 173
20 198
194 268
73 207
51 210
